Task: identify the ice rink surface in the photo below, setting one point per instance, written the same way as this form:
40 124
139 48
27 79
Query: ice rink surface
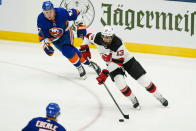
29 80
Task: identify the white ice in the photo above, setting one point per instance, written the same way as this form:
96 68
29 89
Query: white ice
29 80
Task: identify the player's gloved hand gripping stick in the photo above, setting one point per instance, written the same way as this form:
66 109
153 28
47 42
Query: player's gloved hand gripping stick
46 47
46 44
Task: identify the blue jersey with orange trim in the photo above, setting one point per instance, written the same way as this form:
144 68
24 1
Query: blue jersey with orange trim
57 29
43 124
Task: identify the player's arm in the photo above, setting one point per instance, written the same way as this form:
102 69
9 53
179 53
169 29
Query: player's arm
45 35
73 14
84 48
81 31
45 41
115 60
61 128
43 32
28 126
81 27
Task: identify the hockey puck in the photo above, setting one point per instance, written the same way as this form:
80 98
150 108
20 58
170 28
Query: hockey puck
121 120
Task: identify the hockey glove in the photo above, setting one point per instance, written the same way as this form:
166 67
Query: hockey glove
102 76
85 52
47 48
81 31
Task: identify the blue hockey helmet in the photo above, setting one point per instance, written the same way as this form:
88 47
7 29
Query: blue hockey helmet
47 5
52 110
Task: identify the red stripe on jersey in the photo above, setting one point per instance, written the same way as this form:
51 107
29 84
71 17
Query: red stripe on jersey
118 61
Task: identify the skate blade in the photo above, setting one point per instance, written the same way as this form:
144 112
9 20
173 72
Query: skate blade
83 77
138 108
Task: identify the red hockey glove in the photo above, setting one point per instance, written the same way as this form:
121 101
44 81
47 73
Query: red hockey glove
102 76
106 57
85 52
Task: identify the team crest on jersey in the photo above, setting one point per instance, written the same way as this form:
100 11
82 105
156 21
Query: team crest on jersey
56 32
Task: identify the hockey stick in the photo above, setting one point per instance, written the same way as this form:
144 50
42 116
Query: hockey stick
125 116
40 31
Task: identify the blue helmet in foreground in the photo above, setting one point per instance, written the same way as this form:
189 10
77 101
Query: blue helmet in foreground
52 110
47 5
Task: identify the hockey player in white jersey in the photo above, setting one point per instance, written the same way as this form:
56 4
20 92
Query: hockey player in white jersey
119 60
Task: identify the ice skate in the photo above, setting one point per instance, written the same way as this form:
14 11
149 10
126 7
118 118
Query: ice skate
160 98
82 72
136 104
94 65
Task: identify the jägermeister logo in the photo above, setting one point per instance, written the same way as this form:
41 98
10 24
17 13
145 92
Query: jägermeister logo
131 19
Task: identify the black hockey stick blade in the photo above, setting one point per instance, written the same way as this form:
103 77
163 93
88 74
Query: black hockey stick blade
126 116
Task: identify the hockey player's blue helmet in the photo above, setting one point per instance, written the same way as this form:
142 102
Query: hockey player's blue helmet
47 5
52 110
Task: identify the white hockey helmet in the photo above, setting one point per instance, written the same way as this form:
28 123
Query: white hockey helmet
107 31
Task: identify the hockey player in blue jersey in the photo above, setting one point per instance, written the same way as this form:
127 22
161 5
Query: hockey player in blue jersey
54 27
48 123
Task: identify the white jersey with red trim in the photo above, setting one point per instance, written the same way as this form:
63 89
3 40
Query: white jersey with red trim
115 55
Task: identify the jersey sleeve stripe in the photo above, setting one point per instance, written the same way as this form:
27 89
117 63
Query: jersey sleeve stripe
77 11
71 36
81 27
118 61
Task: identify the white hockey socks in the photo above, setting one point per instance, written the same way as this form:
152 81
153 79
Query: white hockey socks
147 83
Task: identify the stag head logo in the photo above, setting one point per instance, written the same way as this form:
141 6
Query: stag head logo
85 7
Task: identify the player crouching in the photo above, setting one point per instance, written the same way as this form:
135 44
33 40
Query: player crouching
118 61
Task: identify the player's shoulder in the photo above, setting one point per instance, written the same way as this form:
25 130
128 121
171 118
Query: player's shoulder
40 17
38 118
61 11
61 127
41 20
116 43
34 120
98 38
98 35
